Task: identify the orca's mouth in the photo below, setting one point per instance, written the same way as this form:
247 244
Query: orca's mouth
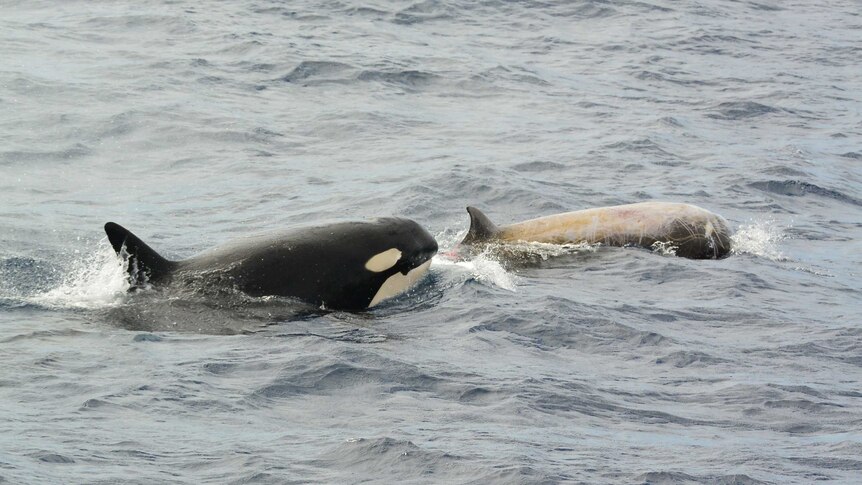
418 258
410 264
400 282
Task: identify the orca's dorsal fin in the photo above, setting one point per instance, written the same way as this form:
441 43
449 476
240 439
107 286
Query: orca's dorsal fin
145 265
481 228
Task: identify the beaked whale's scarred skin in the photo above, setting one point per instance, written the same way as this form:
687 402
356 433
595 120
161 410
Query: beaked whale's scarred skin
693 232
345 266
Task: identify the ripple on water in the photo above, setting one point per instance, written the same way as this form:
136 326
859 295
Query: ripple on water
741 110
318 71
679 478
798 188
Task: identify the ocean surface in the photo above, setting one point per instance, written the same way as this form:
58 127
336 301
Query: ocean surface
194 123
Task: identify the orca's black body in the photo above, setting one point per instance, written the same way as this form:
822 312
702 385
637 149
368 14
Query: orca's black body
348 266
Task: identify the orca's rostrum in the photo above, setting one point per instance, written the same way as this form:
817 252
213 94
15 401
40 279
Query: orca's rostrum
347 265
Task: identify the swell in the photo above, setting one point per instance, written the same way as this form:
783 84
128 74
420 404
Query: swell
798 188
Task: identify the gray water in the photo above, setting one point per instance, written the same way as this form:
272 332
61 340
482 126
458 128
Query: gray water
195 123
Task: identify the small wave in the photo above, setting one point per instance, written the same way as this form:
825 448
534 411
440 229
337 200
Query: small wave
588 10
562 323
646 146
804 405
53 458
715 38
538 166
366 11
679 478
423 12
350 335
740 110
42 334
95 280
407 79
830 463
686 358
363 458
333 374
510 77
164 23
308 70
798 188
759 238
76 151
671 121
765 7
671 78
814 271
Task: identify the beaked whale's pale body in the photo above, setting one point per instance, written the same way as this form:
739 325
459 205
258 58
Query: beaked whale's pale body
692 231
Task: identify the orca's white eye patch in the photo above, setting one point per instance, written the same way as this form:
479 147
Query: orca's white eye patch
383 261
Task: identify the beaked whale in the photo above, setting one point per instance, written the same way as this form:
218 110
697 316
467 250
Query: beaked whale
344 266
692 231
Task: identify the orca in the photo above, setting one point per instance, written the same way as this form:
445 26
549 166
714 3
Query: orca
343 266
689 231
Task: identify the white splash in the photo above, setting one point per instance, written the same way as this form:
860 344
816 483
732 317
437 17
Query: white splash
760 238
665 248
94 280
481 268
544 251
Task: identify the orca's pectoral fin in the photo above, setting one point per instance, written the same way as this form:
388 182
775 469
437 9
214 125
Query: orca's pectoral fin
481 228
145 265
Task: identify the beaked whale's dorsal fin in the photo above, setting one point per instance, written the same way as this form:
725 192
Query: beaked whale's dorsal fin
481 228
145 265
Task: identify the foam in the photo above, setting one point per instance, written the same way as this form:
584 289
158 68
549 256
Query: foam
481 268
96 279
760 238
